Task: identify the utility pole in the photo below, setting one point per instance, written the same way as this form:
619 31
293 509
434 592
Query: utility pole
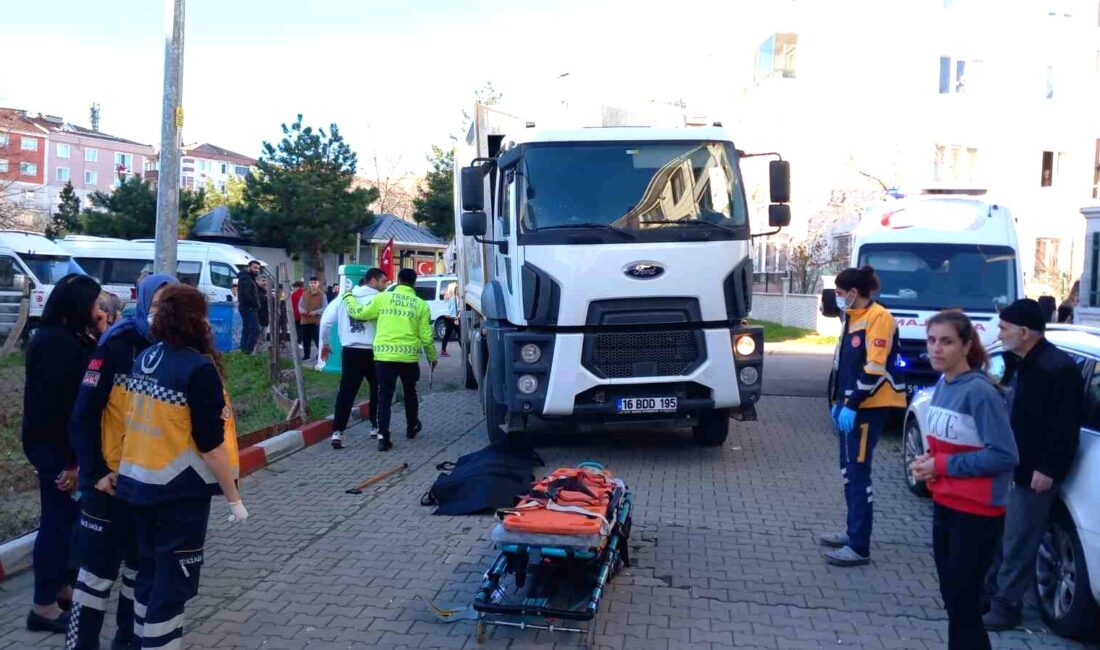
168 177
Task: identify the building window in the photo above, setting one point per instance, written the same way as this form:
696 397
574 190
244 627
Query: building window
63 174
1046 259
955 163
4 136
90 177
91 155
124 160
62 150
240 170
223 167
1096 172
28 169
956 75
776 57
1047 178
28 144
3 166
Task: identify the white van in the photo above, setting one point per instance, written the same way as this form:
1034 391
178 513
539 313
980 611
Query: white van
118 263
432 289
938 251
41 261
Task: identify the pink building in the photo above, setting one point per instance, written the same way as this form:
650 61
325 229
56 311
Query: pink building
92 160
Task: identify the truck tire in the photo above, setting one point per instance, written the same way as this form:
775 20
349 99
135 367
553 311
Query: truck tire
713 428
495 413
470 377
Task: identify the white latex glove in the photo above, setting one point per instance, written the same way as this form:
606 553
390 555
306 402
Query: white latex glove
237 512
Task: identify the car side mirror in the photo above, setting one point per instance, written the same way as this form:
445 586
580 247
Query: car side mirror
779 176
779 215
473 189
473 223
829 308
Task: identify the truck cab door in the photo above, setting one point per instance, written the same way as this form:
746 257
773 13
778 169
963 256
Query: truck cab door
506 258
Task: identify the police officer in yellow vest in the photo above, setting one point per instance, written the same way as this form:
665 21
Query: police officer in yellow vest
867 390
105 529
178 451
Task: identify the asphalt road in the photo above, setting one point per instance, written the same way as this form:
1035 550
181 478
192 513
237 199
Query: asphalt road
797 371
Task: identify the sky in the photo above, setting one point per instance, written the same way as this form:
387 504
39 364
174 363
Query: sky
395 75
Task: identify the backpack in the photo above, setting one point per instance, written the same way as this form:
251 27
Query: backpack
483 480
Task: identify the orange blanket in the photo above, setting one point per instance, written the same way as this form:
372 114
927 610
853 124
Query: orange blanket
569 501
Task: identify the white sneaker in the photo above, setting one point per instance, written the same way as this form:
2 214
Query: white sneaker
337 440
374 432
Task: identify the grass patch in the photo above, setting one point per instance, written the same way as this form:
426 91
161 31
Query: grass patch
776 333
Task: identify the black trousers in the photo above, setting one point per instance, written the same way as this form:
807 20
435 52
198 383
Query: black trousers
964 545
310 334
356 364
388 374
448 333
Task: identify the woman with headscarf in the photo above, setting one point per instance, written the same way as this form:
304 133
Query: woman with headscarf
56 360
105 534
179 450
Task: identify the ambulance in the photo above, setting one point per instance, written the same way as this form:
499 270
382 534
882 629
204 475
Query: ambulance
938 250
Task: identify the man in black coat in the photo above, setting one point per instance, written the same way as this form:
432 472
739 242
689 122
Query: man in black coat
1045 392
248 304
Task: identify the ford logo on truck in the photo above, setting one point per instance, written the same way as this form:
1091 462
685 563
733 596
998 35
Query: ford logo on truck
644 270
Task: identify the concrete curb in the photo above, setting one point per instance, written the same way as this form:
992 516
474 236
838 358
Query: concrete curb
15 555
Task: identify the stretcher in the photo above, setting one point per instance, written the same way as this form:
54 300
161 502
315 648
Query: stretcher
559 547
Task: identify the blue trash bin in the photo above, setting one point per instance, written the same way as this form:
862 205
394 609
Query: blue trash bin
221 322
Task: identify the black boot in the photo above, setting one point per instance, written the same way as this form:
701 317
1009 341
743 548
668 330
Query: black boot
410 433
37 623
384 443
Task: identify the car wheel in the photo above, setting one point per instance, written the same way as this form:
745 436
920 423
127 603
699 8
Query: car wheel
440 328
1062 581
912 445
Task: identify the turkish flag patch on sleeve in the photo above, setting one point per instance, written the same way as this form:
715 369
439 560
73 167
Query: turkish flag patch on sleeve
879 343
95 364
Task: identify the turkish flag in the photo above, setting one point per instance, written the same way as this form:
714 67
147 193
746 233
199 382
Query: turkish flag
385 260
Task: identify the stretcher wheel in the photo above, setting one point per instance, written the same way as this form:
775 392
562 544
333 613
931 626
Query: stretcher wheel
479 632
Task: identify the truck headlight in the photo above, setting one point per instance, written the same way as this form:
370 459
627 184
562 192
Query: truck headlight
745 346
530 353
749 375
527 384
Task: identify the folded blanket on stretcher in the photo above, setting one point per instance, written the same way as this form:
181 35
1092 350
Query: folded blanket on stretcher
570 502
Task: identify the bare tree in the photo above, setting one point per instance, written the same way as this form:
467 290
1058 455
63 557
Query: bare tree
19 206
396 188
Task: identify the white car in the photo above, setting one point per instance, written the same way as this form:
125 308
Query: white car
1067 569
432 289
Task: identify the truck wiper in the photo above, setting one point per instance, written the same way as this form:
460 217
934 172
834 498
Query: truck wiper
597 226
691 222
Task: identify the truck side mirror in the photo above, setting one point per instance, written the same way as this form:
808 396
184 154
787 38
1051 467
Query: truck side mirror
829 308
779 215
473 190
473 223
779 177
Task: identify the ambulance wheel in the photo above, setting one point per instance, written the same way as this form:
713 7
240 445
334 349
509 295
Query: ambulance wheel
713 428
479 633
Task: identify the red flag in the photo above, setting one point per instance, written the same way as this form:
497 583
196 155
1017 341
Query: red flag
385 260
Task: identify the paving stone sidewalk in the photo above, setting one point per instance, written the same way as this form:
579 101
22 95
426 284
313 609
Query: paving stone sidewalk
723 548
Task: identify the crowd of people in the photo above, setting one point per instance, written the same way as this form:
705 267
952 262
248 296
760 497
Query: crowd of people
996 451
131 431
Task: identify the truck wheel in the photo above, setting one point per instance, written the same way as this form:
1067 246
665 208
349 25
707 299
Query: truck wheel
471 378
495 413
713 428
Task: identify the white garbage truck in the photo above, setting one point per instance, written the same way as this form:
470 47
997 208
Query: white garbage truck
605 276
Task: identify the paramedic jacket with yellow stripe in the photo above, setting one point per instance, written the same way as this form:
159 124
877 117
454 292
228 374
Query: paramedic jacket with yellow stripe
176 411
99 415
867 360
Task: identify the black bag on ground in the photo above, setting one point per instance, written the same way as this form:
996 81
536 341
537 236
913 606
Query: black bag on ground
486 479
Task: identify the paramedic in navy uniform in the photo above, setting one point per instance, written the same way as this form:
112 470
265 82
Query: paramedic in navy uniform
56 358
178 451
866 393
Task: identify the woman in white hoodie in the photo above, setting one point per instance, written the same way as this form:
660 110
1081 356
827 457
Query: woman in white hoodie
357 353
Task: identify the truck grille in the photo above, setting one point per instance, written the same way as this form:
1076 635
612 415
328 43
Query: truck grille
617 355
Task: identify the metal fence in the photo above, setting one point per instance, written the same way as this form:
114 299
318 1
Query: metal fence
19 506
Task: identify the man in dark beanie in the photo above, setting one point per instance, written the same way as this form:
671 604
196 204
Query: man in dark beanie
1045 393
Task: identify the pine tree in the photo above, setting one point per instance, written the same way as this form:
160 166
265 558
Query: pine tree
66 219
130 211
301 198
434 208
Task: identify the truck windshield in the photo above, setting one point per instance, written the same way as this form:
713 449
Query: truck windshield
49 269
638 187
943 276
